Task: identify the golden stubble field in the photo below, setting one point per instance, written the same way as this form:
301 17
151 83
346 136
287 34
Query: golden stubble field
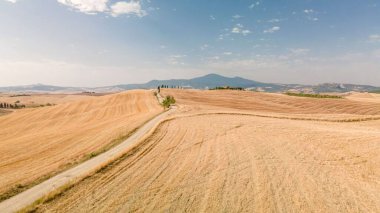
36 100
220 154
38 142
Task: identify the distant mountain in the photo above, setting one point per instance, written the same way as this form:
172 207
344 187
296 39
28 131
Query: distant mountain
334 87
39 88
205 82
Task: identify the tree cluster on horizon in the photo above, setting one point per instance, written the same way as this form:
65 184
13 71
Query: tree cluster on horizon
11 106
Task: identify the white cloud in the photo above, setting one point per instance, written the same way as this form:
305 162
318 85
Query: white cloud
310 14
212 18
275 20
308 11
239 29
254 5
245 32
176 59
203 47
11 1
235 30
132 7
227 53
87 6
299 51
272 30
237 16
374 38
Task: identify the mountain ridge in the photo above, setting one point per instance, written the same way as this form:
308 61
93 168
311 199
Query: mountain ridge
208 81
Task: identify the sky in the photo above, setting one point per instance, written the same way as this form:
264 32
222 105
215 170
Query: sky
108 42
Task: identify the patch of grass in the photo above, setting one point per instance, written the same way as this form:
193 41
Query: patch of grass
47 198
18 95
168 101
112 144
227 88
375 91
92 154
313 95
18 188
41 105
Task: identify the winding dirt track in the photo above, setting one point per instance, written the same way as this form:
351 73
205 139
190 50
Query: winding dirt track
235 163
209 157
38 142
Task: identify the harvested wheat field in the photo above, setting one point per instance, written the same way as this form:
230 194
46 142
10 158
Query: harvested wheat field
207 160
364 97
274 103
36 143
235 163
36 100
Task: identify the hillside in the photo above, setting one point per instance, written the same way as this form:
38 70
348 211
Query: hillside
36 143
203 160
274 103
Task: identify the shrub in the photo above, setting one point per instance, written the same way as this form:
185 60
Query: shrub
227 88
168 101
313 95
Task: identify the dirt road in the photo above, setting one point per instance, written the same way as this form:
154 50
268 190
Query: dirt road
235 163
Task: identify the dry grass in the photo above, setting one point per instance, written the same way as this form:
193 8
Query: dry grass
207 160
36 143
205 164
272 103
364 97
35 100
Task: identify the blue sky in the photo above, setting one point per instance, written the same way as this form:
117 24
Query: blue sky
104 42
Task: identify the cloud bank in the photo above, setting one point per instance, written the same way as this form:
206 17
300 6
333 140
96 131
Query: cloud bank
92 7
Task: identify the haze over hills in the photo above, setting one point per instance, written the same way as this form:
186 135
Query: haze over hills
204 82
